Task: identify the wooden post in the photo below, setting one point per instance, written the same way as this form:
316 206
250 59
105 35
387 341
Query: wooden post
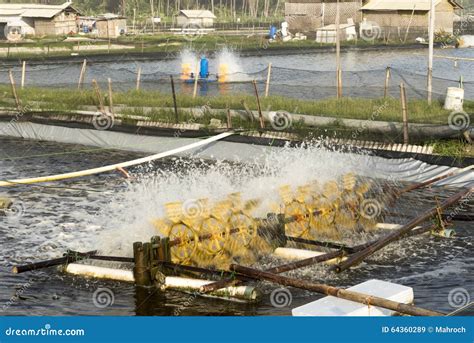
229 119
196 78
139 75
387 81
141 270
361 255
82 74
176 115
23 74
431 50
338 52
260 115
111 102
267 85
403 99
99 96
15 94
334 291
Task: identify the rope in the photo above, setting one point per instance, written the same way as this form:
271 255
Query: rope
112 167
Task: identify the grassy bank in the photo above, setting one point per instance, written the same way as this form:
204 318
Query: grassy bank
388 109
420 112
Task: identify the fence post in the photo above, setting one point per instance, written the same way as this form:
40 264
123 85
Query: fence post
267 85
387 81
23 74
196 78
15 95
403 99
176 116
260 115
111 102
99 96
139 75
81 76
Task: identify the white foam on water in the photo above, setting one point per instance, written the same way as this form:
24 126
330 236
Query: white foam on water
128 218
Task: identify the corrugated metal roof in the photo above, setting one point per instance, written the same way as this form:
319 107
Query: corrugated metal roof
198 13
33 10
403 5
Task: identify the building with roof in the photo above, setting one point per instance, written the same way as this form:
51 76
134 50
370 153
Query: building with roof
39 20
108 25
399 17
198 18
309 15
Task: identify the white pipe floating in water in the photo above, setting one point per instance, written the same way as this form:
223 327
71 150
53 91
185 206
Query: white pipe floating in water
100 272
234 293
300 254
115 166
243 293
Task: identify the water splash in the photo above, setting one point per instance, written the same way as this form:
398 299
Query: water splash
129 217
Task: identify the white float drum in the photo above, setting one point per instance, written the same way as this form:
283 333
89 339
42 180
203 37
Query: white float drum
466 41
454 99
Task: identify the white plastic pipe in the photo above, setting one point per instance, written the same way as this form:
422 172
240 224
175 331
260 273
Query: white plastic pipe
100 272
301 254
237 293
243 293
115 166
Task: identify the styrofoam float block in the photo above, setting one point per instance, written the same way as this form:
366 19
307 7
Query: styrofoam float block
331 306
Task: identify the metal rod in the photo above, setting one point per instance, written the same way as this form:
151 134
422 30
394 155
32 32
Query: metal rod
69 257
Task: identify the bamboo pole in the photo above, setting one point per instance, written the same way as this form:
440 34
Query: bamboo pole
403 99
139 74
229 119
433 180
387 81
432 16
260 115
70 256
15 94
196 79
111 101
23 74
99 96
309 261
82 74
338 52
361 255
176 115
362 298
267 84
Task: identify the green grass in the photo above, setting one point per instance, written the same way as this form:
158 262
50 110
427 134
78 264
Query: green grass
65 100
364 109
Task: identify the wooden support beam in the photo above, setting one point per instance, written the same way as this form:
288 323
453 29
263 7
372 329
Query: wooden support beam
366 299
358 257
